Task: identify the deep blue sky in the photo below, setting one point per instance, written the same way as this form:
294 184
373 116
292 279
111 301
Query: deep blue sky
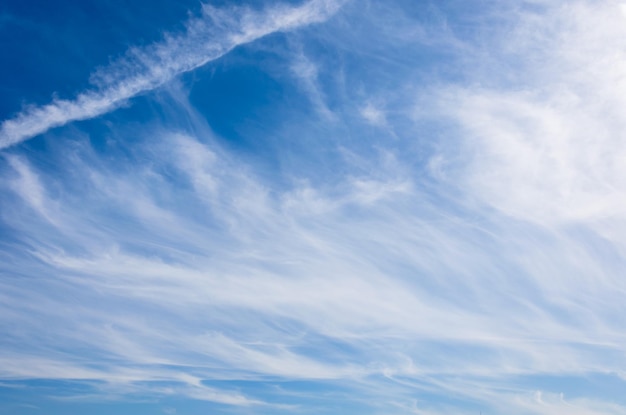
316 207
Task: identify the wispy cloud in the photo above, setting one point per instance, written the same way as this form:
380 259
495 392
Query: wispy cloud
548 130
292 291
461 264
206 38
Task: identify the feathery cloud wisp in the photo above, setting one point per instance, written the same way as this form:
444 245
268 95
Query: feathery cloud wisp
206 38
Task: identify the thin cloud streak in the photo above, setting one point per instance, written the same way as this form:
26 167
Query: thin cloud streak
206 39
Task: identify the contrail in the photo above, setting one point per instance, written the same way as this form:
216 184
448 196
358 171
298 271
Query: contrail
206 38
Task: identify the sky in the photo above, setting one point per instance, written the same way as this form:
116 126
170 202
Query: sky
260 207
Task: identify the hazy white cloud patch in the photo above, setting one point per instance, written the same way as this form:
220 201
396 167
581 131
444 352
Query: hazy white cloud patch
550 147
373 114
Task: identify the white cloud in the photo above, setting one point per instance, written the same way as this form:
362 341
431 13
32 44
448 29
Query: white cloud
306 72
189 266
205 39
28 186
373 114
549 147
376 281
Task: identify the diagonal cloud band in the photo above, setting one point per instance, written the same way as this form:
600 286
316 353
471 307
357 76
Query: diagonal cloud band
206 38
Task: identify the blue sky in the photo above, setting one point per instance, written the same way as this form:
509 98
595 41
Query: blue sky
312 207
